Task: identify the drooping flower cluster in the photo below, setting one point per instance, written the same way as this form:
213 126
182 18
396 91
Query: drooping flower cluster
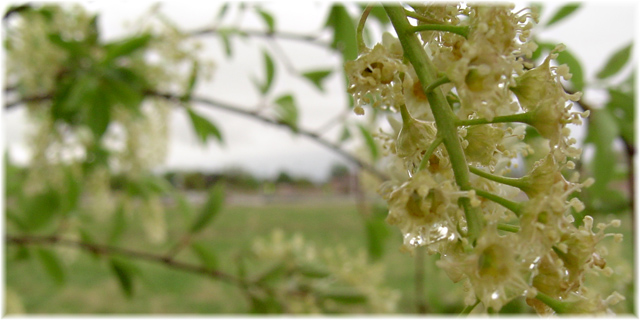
314 280
525 243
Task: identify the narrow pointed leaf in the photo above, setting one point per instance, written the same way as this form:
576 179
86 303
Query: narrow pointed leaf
126 46
287 111
98 113
602 132
226 42
210 209
345 295
345 135
377 12
268 19
192 82
118 225
344 32
616 62
269 72
376 234
124 273
368 139
206 256
203 127
223 11
563 13
577 78
317 77
52 265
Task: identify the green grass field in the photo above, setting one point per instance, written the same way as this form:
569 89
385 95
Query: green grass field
91 288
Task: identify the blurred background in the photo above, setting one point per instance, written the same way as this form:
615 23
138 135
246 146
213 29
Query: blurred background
245 157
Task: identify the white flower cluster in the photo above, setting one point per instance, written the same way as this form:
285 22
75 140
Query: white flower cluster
527 245
322 280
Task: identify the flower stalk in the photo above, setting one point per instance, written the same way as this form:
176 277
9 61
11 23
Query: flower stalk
444 117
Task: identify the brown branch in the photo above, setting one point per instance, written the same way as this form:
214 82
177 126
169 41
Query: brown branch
251 114
237 110
16 103
111 251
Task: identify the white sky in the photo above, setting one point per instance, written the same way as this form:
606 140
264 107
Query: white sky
592 34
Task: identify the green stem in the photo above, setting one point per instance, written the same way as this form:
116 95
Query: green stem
468 309
418 17
427 155
514 182
511 205
557 306
463 31
440 81
362 47
508 227
518 117
444 117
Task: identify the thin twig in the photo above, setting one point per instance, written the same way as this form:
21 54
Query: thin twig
265 34
111 251
238 110
314 136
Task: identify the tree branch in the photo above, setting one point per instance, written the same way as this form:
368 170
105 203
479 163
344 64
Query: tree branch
111 251
237 110
264 34
251 114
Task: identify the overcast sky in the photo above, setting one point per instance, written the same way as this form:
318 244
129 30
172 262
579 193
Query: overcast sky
592 34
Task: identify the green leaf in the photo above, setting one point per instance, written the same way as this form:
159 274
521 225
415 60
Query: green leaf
317 77
72 96
40 209
123 93
52 265
577 78
345 135
73 190
98 113
368 139
183 206
124 272
93 32
73 48
268 19
125 47
222 11
313 271
269 72
376 234
226 42
287 111
602 132
344 32
156 184
563 12
203 127
616 62
378 13
345 295
271 272
207 258
210 208
118 225
192 82
621 106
